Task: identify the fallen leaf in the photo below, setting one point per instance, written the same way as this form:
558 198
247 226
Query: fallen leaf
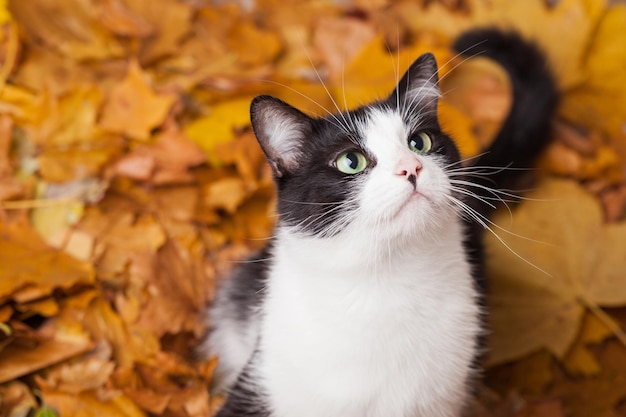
69 26
364 82
90 404
219 126
597 396
600 101
133 108
68 340
17 400
338 40
27 262
121 21
549 273
171 22
579 359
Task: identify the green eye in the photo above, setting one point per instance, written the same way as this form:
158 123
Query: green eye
351 162
420 142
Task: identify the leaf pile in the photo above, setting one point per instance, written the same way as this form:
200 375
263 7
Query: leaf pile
130 182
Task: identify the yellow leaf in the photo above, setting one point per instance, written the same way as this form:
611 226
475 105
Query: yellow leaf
460 127
579 360
219 126
374 72
563 31
561 231
226 194
600 101
5 15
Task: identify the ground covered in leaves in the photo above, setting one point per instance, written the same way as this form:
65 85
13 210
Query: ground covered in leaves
130 183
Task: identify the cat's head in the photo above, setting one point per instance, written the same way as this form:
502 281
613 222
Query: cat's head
381 166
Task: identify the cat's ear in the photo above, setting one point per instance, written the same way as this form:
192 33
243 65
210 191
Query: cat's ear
419 86
281 131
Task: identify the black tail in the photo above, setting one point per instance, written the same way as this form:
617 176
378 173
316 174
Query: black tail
525 132
523 135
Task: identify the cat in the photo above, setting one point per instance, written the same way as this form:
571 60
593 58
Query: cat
367 302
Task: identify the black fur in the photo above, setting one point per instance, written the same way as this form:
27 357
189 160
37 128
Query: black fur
246 398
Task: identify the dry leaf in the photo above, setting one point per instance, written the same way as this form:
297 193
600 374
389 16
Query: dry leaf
90 404
133 108
69 26
365 82
219 126
577 263
27 262
600 102
598 396
68 340
579 360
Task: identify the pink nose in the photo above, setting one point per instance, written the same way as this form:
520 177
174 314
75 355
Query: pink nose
408 166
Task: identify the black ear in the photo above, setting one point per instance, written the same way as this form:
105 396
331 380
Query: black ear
419 86
281 131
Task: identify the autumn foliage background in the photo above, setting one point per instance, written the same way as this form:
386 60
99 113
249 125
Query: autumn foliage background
130 183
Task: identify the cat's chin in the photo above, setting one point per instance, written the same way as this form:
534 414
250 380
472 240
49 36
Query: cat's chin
414 203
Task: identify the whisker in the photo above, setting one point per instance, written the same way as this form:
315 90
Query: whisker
482 220
330 96
338 125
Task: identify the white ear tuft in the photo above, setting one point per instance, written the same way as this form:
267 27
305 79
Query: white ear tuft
281 131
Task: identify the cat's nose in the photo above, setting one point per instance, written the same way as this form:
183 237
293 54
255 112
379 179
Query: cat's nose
409 167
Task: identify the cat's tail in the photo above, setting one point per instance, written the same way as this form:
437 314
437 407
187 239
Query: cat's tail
526 130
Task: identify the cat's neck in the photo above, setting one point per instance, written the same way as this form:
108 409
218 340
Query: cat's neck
367 255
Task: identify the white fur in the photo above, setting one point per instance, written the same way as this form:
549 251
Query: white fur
380 320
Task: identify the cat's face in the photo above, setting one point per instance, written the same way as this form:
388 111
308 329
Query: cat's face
380 167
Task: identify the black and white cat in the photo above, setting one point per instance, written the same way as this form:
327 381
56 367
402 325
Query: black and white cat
366 303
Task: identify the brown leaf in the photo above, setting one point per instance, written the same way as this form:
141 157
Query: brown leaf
549 273
91 404
579 359
338 40
598 396
27 262
68 339
69 26
133 108
17 400
117 18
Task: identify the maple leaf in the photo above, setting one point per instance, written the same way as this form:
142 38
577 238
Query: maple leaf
133 108
549 272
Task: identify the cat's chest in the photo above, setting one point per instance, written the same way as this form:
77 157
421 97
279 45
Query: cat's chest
369 345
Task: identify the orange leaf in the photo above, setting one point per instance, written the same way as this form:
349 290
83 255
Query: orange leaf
133 108
27 262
